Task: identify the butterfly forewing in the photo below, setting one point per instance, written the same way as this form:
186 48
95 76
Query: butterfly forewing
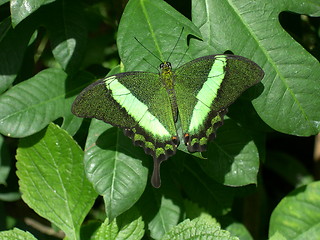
134 101
204 88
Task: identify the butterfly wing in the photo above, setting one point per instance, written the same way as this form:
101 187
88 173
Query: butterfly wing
138 103
205 87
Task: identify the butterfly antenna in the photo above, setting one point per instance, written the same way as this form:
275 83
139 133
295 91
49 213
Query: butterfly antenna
148 51
151 65
176 43
185 53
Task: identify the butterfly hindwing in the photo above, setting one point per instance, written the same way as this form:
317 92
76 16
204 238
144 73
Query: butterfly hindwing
138 103
205 87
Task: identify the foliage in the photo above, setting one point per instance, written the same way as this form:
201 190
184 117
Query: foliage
51 49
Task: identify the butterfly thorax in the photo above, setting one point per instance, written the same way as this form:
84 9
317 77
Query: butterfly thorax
167 79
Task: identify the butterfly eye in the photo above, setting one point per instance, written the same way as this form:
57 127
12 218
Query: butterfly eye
161 65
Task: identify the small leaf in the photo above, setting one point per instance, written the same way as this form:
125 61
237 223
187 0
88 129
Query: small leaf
52 179
297 216
16 234
127 226
161 208
203 227
114 167
218 198
239 230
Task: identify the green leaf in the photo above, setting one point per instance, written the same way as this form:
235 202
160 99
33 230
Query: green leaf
37 101
296 173
16 234
4 161
239 230
203 227
127 226
114 167
167 216
290 97
161 208
13 44
20 9
217 199
68 33
277 236
158 32
233 157
52 179
297 216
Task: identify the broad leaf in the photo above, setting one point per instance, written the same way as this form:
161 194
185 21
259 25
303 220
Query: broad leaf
297 216
52 179
37 101
114 167
127 226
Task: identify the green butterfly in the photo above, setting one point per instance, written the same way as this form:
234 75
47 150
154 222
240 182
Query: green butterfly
148 105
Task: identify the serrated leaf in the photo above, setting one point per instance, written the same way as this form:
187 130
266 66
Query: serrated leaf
16 234
37 101
114 167
290 98
277 236
203 227
233 157
127 226
297 216
158 19
20 9
52 179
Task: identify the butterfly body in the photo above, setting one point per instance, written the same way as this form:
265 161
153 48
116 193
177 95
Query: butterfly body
148 105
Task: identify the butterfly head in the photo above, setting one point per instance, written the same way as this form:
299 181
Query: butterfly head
165 67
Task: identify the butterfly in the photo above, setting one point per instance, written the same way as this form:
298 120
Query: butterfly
148 106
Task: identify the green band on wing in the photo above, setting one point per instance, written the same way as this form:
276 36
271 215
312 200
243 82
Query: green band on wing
208 93
135 108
